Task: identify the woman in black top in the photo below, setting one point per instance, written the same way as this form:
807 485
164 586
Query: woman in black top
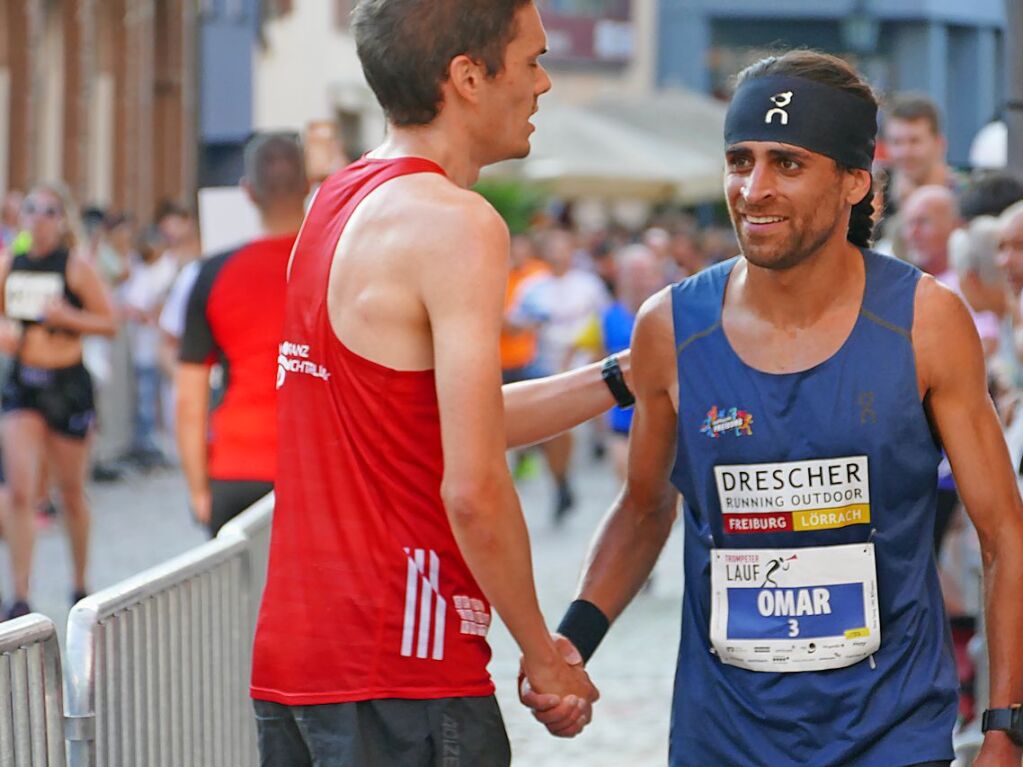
47 401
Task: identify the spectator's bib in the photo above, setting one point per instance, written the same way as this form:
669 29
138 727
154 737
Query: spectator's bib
806 609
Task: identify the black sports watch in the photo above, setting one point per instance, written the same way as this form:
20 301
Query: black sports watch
1008 719
611 372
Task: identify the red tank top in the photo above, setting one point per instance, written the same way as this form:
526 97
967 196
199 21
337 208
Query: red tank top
367 594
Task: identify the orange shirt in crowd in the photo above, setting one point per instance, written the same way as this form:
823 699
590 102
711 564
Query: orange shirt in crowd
518 347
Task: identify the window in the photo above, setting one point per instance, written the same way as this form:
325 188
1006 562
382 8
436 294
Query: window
591 9
589 31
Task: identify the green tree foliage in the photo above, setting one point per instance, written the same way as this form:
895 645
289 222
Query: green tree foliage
517 203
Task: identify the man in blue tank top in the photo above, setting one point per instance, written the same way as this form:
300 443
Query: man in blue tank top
798 397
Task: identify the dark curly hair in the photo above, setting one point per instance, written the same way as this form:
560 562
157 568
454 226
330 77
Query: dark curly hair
836 73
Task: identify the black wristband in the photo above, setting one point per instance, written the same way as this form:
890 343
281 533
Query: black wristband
611 372
584 625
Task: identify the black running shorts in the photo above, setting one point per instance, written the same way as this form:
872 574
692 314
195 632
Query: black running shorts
446 732
62 396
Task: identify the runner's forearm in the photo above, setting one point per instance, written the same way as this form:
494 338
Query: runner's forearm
90 323
192 383
1003 572
492 536
535 411
624 552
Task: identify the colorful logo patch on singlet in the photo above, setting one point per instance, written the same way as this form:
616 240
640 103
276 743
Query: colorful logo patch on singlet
722 420
794 496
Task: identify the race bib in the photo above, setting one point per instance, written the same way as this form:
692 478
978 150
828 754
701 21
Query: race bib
26 294
806 609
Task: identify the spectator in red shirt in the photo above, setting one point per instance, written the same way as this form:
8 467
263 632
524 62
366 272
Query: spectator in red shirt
234 317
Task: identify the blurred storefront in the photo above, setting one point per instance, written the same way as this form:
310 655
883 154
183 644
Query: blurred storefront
951 50
101 94
594 48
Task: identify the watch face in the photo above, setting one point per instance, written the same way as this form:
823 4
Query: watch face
1015 730
1009 720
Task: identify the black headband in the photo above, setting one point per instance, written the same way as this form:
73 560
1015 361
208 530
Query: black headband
804 113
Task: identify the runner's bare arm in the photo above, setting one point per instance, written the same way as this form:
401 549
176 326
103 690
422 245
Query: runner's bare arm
535 411
634 531
192 382
462 290
6 260
951 368
96 317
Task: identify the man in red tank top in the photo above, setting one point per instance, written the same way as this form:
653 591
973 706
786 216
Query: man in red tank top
234 316
397 524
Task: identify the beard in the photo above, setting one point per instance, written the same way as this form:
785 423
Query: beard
806 236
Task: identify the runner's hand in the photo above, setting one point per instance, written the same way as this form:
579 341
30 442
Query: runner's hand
998 751
59 313
201 505
563 716
10 337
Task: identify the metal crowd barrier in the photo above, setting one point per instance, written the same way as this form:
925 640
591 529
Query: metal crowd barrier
253 526
968 741
31 715
158 665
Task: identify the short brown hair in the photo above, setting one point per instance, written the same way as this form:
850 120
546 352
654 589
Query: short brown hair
911 107
406 46
275 168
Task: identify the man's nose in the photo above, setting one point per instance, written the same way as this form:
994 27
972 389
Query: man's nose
759 185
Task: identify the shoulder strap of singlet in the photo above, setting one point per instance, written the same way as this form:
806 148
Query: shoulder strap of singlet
342 193
391 169
696 304
18 262
889 293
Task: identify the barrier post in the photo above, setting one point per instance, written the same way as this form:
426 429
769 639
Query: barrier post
31 712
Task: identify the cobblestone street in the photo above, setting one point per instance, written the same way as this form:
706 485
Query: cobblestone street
143 521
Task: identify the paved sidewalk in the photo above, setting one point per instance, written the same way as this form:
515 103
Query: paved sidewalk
143 521
634 666
137 523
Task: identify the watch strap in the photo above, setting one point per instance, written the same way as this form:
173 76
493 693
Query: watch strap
996 719
1008 720
611 372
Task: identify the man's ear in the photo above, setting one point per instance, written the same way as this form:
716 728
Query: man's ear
466 76
859 186
247 188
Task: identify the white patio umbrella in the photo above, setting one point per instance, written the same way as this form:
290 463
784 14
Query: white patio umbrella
577 152
684 116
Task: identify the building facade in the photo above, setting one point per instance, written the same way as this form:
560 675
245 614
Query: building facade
229 37
594 48
951 50
101 94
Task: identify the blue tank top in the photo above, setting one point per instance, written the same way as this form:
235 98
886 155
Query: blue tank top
616 327
897 708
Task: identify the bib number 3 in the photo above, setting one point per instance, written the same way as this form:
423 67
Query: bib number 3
807 609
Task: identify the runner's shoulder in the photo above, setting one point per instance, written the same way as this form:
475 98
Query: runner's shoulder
945 339
656 311
938 308
653 342
443 217
448 205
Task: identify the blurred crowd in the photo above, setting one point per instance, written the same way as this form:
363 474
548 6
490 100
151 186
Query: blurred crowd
146 269
572 297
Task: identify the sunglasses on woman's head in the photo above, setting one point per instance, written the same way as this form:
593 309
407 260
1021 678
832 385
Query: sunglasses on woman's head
50 211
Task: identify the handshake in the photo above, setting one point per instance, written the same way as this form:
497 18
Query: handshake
559 692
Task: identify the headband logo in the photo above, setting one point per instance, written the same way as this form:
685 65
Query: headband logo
780 101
